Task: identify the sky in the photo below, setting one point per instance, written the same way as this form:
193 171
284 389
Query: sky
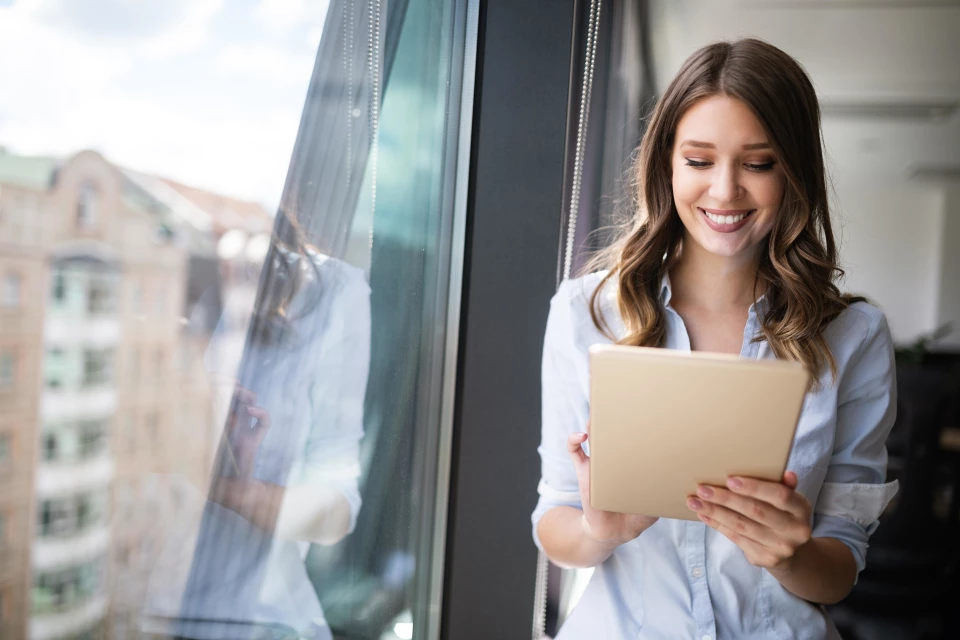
206 92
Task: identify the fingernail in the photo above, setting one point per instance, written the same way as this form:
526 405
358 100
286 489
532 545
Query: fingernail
735 483
694 504
705 492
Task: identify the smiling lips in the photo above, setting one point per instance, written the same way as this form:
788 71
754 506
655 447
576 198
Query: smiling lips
726 220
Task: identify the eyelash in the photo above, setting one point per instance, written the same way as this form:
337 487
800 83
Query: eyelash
759 168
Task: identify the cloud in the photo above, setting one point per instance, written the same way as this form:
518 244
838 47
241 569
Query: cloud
222 117
280 16
267 62
157 29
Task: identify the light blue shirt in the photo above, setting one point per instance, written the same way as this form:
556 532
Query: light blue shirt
682 579
312 384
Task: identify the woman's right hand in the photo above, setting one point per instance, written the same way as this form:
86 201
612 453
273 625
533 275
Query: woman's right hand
606 527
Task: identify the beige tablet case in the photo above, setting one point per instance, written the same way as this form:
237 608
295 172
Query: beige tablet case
662 421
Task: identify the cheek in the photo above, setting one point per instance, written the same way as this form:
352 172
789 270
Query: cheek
769 192
686 188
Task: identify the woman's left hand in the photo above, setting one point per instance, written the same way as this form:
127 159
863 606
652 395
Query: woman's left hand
769 521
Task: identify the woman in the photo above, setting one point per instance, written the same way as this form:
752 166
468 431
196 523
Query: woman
287 469
731 251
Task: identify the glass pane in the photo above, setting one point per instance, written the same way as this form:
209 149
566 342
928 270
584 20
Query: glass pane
222 338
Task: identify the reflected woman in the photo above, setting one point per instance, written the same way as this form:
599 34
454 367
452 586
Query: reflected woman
286 473
730 250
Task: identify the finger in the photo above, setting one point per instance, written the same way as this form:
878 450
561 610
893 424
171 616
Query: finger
574 441
778 494
263 418
737 523
244 395
756 510
790 479
756 553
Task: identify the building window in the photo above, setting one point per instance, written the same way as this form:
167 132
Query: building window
91 439
54 368
7 370
4 450
97 369
59 287
57 517
11 290
87 206
50 447
58 590
101 296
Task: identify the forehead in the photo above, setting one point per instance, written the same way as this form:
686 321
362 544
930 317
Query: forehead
720 120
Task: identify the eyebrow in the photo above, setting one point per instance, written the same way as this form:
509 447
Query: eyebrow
708 145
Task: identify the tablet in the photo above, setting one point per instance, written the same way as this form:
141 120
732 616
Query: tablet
663 421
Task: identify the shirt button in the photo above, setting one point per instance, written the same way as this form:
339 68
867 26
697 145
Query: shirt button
697 572
706 638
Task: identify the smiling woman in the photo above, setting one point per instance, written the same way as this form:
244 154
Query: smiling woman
730 250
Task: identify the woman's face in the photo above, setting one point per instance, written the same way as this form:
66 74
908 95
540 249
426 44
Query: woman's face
727 182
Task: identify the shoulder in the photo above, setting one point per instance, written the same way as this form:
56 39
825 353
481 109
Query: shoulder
858 324
571 306
859 338
329 271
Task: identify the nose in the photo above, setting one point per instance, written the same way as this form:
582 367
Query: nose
726 184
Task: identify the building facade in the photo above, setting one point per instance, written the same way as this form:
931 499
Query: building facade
106 413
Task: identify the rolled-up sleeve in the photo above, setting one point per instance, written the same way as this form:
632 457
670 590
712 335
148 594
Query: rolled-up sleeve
565 405
854 493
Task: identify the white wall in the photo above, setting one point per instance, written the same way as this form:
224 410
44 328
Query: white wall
948 309
899 238
890 237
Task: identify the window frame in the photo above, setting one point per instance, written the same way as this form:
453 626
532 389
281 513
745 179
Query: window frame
516 183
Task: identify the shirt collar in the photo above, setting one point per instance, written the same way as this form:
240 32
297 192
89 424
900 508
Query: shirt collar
666 292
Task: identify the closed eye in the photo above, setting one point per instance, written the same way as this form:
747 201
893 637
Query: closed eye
760 167
699 164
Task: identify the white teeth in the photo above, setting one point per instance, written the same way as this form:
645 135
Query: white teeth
725 219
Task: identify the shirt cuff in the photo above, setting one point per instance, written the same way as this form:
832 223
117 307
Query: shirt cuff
861 503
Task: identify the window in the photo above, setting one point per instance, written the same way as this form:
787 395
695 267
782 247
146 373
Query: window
54 368
4 450
92 439
97 367
87 206
50 442
101 296
57 517
7 370
58 590
59 287
11 290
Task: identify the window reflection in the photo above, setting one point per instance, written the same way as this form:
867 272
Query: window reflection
226 424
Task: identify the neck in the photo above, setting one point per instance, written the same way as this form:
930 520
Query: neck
713 282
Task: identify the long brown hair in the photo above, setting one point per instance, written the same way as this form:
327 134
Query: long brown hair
798 267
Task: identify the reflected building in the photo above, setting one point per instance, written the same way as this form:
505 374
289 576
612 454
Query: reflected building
111 285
